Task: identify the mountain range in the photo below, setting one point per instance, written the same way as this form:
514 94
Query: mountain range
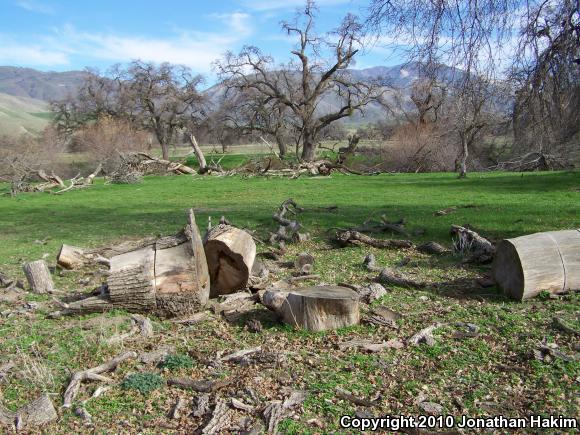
25 93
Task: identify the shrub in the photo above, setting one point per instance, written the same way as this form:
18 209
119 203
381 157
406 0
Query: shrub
176 362
143 382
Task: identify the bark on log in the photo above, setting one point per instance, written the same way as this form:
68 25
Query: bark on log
524 266
132 280
38 277
71 257
315 308
230 254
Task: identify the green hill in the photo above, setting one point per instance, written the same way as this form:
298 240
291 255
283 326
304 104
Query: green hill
20 115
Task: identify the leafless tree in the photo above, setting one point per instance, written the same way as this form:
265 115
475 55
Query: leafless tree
319 67
161 98
479 37
250 112
547 73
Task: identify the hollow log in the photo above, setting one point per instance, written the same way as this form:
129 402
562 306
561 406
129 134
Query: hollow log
315 308
230 254
71 257
525 266
38 277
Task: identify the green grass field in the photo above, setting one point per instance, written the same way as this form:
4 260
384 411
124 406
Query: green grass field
491 374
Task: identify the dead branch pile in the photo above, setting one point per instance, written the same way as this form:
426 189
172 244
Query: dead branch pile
27 180
534 162
134 165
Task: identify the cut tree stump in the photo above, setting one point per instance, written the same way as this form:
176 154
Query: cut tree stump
35 413
71 257
230 254
38 277
315 308
525 266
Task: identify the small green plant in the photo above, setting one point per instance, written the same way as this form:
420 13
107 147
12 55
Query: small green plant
544 295
176 362
143 382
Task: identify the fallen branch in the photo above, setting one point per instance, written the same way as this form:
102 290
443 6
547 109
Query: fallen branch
392 277
93 374
355 238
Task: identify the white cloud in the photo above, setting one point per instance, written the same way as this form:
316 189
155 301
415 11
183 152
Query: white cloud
14 53
195 49
35 6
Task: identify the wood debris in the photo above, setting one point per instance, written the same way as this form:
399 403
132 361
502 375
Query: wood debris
93 374
399 279
200 386
425 335
35 413
473 247
220 418
141 325
356 238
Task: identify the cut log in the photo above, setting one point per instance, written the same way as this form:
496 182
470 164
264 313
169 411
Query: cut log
315 308
230 254
38 277
525 266
71 257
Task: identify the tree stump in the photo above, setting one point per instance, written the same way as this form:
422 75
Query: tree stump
71 257
38 277
230 254
315 308
524 266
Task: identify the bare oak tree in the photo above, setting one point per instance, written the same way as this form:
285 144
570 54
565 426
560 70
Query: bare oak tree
300 84
160 98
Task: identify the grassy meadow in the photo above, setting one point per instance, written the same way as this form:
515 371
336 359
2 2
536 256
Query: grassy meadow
491 374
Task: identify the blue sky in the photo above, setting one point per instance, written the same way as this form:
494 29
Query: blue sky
61 35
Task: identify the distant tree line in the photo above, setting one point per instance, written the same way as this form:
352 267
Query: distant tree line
466 94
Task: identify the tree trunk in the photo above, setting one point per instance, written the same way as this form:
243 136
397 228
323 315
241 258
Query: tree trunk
315 308
463 157
281 146
38 277
308 151
230 256
164 151
198 153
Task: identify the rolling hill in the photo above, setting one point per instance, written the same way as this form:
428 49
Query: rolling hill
22 115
